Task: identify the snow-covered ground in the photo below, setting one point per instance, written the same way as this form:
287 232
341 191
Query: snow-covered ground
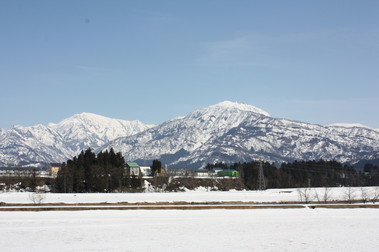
302 229
200 195
192 230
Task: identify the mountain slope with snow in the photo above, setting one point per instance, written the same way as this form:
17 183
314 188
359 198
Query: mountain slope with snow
187 133
279 140
61 141
234 132
90 130
227 132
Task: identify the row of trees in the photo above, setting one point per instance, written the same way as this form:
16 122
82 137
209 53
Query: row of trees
305 173
104 172
24 183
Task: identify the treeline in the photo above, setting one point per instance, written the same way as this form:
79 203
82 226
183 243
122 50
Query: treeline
25 183
304 173
104 172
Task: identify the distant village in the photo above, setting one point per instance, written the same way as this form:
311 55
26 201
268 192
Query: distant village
132 177
44 178
131 168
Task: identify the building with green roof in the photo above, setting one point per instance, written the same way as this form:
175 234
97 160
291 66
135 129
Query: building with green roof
132 169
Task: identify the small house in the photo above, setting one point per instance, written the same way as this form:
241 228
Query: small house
54 169
145 170
202 173
132 169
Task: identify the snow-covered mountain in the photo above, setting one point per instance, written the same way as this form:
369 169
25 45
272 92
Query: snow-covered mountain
227 131
63 140
234 132
89 130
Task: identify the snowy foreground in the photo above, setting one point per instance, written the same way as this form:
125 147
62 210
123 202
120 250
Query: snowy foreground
192 230
200 195
302 229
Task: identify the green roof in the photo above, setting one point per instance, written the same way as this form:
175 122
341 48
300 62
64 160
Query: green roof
132 164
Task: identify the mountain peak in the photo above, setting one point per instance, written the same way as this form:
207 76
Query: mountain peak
90 116
85 114
240 106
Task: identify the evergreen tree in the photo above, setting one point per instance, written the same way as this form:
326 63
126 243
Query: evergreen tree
91 173
156 167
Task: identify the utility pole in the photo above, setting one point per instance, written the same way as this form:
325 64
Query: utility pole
261 185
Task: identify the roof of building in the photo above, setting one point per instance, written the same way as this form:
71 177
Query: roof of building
132 164
229 170
202 171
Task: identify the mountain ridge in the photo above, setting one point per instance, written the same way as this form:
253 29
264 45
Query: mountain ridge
231 134
57 142
226 131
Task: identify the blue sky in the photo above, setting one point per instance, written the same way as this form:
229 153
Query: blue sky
311 61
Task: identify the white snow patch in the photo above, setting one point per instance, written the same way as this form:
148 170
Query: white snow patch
351 125
191 230
240 106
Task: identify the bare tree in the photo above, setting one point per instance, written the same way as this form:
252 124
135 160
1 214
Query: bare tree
305 194
374 196
349 194
37 197
317 196
323 197
364 195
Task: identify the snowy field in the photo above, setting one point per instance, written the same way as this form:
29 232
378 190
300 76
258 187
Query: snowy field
192 230
302 229
201 195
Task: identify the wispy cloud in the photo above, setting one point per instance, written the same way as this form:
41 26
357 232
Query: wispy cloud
337 101
91 69
238 51
154 22
287 49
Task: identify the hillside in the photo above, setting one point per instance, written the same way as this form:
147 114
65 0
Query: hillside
57 142
234 132
227 132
